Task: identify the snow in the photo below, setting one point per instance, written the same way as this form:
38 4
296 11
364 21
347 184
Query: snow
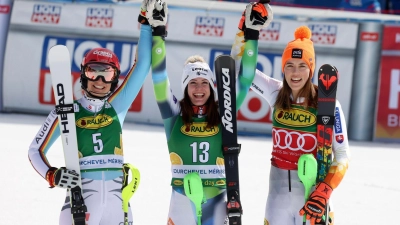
369 193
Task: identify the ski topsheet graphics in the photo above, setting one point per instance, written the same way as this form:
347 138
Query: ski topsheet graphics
225 75
327 85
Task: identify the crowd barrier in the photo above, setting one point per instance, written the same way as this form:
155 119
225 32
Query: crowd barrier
361 45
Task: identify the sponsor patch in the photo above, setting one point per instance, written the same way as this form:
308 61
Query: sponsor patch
198 129
89 122
338 127
297 53
295 118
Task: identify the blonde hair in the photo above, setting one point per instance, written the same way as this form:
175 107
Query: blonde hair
195 58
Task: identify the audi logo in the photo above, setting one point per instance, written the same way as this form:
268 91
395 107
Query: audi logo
294 140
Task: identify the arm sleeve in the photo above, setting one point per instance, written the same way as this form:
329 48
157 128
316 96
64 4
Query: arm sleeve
247 71
341 150
266 87
42 142
167 103
123 97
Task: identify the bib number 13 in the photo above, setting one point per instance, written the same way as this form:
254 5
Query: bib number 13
203 155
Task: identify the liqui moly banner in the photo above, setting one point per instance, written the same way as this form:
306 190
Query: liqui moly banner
387 122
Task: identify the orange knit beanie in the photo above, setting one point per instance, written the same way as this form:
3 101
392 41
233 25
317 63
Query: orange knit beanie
301 48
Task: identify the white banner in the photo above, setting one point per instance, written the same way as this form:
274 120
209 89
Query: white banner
191 31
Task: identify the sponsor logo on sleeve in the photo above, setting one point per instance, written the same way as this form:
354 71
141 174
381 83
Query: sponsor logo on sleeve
338 127
43 13
209 26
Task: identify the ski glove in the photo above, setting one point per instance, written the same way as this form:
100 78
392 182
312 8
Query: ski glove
62 177
157 12
316 204
142 15
255 17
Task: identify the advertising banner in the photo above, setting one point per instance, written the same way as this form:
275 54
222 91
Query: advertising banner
387 119
36 26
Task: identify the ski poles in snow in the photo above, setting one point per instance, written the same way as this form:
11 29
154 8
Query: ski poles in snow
307 172
193 187
128 189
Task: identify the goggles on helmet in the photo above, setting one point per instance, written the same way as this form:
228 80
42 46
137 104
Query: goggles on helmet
93 72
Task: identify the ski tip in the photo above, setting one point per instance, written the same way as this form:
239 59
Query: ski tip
327 69
58 47
59 53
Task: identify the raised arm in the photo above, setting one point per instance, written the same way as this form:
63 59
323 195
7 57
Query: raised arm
245 48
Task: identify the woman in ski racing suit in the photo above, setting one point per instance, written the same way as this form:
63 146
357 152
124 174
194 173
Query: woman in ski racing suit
297 95
99 116
192 127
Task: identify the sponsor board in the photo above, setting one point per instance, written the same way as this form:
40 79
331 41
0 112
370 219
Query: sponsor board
46 13
387 122
99 17
78 47
324 34
209 26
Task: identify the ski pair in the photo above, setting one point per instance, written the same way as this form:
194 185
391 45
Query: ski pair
60 69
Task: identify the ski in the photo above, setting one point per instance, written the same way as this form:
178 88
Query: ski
226 88
327 85
60 69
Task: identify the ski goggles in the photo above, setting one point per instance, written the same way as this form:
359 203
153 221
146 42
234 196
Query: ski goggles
94 71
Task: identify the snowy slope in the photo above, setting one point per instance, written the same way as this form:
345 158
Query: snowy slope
369 193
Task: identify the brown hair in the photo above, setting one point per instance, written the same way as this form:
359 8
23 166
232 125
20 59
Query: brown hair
309 92
212 115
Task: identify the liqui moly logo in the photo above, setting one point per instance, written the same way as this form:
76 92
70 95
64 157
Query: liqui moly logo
209 26
99 17
271 33
323 34
43 13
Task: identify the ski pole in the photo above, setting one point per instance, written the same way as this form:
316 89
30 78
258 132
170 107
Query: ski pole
307 172
194 191
128 189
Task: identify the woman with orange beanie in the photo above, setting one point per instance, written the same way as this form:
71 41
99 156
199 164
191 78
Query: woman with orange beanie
297 97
